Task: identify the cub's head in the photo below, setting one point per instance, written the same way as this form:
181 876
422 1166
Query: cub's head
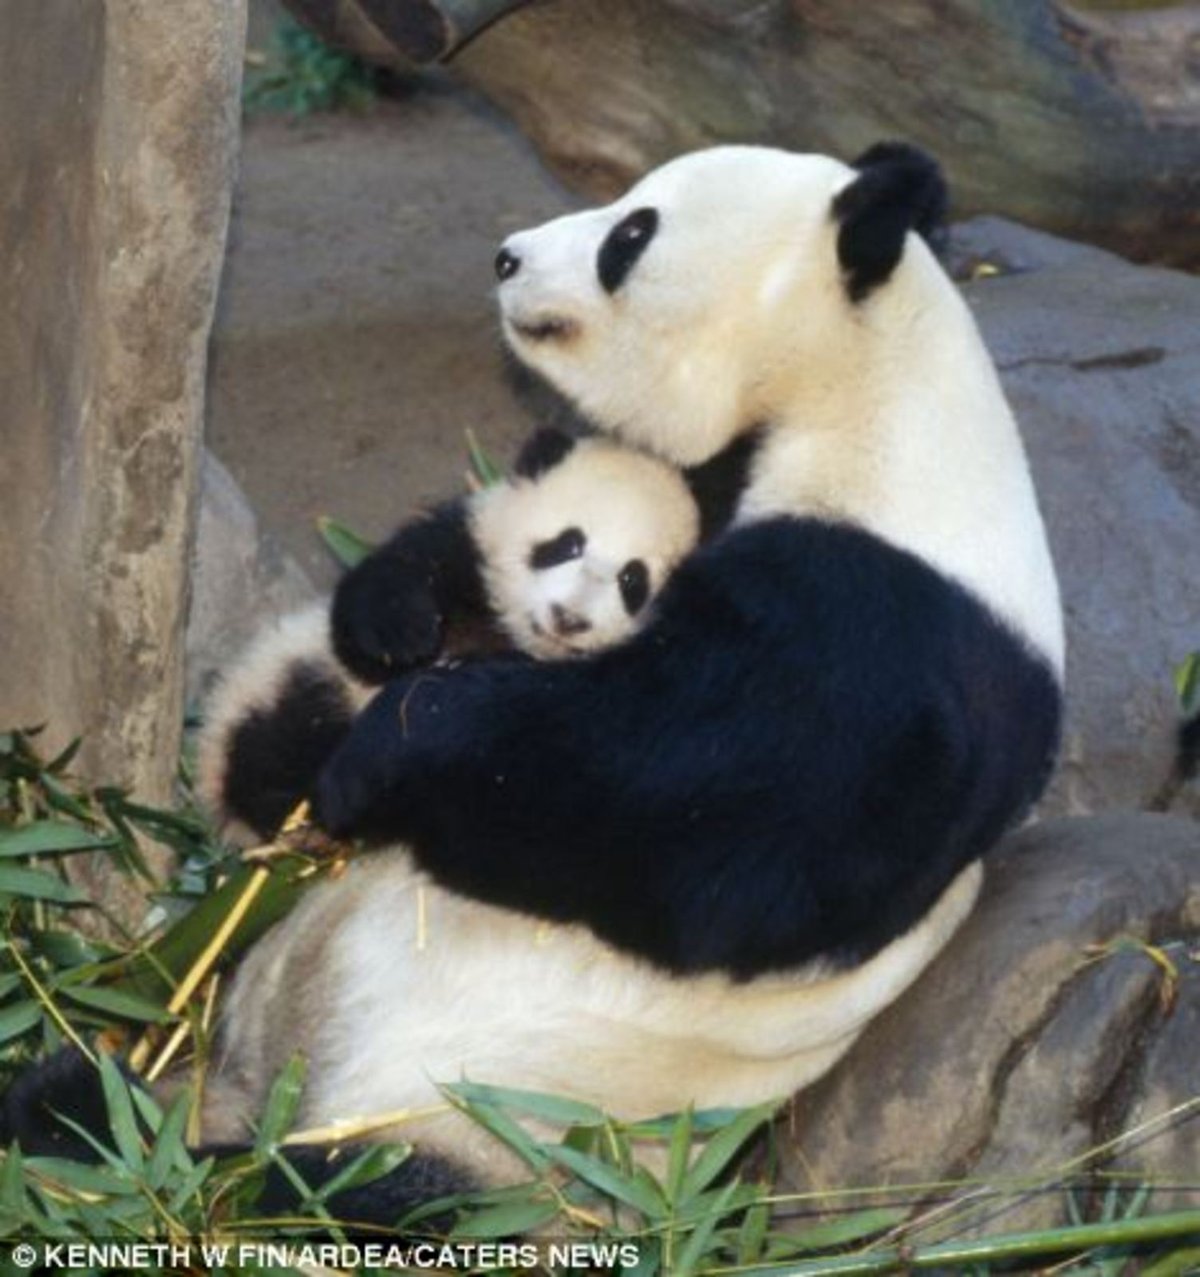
673 316
577 545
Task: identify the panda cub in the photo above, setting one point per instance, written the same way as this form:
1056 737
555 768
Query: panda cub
570 553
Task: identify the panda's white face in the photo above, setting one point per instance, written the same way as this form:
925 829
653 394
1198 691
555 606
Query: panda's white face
573 558
669 315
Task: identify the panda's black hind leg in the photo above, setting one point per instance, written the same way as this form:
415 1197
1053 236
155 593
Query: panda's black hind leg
420 1179
65 1083
276 753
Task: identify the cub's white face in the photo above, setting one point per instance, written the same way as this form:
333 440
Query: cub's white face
573 558
670 315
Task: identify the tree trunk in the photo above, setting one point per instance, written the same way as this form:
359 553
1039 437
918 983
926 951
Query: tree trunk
1084 121
116 165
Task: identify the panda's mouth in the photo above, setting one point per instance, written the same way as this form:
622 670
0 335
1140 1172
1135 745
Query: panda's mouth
544 328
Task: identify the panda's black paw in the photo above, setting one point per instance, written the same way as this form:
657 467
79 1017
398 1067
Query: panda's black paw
385 620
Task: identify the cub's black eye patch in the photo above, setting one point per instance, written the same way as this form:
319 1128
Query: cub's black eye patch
623 245
634 582
560 549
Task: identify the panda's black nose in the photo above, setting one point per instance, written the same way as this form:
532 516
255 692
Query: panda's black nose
507 264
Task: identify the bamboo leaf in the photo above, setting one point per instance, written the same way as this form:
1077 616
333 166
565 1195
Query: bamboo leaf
346 546
51 837
507 1130
111 1181
694 1248
608 1180
282 1104
36 884
724 1146
64 948
121 1117
190 1185
854 1227
678 1155
169 1149
19 1019
752 1234
486 470
373 1164
551 1108
12 1190
506 1221
1187 685
125 1006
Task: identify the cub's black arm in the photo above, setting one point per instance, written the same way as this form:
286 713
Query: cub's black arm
391 611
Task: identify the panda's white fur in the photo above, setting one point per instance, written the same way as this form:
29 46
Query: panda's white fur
391 985
882 413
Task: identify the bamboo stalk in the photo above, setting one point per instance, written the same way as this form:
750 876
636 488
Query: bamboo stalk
432 30
353 1128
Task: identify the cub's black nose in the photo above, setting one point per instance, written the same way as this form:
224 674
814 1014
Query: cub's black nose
568 624
507 264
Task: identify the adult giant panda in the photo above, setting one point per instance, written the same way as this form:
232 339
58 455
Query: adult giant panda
691 868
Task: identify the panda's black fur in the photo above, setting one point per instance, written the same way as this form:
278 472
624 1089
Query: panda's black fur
680 846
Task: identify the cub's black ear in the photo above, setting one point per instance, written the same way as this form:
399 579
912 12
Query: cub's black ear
899 188
543 451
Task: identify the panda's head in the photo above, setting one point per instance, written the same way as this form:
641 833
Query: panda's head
671 316
575 547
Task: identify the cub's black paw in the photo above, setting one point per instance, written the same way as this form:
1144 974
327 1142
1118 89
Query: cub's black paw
385 620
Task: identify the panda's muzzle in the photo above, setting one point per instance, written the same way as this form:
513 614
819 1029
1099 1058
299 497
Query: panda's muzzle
545 328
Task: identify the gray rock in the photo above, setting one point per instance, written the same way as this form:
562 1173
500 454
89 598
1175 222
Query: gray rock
240 579
1040 1033
1101 361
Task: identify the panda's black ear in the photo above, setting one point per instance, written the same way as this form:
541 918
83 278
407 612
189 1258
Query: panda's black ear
543 451
899 188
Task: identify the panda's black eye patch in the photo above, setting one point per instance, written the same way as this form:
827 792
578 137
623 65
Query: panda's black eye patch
560 549
634 583
623 245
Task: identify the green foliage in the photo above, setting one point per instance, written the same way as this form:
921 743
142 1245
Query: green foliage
55 982
343 543
1187 685
303 75
668 1196
349 548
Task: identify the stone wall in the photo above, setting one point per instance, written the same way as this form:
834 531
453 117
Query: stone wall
118 129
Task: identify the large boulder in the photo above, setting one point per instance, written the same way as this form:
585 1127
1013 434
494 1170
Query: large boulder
1045 1029
1101 361
241 579
116 166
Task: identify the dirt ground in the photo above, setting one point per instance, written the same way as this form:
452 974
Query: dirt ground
355 339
